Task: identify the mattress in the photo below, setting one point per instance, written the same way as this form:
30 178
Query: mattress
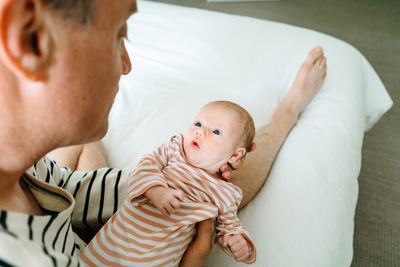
183 58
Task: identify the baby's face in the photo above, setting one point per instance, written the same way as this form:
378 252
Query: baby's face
211 140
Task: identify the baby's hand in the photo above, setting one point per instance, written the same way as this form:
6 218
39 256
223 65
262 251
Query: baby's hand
238 246
165 199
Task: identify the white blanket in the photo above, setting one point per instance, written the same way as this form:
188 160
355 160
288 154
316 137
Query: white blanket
183 58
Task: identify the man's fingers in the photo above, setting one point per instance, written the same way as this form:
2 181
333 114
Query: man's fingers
236 165
224 168
252 147
225 171
225 175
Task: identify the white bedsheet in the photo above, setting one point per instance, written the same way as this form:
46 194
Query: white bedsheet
183 58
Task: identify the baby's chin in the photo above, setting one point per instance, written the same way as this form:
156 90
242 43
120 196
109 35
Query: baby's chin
199 163
209 169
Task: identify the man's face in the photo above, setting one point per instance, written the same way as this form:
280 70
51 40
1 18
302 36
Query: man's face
88 63
212 138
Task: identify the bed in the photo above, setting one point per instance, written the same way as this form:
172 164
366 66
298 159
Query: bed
183 58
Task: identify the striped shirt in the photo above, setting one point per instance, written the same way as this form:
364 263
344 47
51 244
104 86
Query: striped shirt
68 198
139 235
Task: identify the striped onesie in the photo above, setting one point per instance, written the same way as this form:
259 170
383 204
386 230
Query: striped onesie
139 235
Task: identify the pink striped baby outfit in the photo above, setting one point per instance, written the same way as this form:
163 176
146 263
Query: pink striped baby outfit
139 235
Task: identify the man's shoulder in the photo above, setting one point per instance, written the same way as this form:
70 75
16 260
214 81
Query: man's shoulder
16 251
21 252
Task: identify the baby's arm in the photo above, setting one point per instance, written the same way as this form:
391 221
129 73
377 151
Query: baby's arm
233 237
238 246
148 180
165 199
147 173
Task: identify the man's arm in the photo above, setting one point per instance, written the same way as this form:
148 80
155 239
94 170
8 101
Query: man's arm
197 252
258 163
97 194
256 167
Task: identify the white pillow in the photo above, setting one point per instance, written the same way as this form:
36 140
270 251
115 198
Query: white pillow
183 58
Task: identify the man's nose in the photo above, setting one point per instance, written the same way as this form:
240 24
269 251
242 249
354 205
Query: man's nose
126 61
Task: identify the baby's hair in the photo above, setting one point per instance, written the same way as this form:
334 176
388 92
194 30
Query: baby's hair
248 131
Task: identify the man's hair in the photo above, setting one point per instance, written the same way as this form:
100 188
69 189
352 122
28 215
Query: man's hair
248 128
82 11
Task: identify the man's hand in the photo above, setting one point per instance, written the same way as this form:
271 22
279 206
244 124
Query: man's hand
197 252
227 168
165 199
238 246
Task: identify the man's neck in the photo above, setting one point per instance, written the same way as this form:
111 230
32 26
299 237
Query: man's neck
22 143
18 153
16 196
15 161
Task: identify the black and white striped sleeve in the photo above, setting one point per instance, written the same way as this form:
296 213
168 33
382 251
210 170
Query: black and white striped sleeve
98 194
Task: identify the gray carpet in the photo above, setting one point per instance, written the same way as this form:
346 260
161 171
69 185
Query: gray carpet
373 27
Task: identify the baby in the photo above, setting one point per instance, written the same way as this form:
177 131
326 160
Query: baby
177 186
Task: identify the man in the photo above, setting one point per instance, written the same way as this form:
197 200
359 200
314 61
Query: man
60 63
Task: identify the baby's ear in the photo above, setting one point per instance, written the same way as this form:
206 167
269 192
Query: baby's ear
235 158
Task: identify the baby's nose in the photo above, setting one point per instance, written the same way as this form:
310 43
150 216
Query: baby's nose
199 132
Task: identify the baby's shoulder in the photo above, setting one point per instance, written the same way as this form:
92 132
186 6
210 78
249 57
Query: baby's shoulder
175 148
234 192
176 140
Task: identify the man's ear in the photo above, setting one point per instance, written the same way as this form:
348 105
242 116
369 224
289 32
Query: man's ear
24 39
237 156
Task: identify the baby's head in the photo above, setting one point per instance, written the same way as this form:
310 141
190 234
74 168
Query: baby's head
221 132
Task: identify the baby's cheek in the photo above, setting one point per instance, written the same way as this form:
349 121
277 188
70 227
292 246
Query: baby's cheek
187 135
215 145
216 150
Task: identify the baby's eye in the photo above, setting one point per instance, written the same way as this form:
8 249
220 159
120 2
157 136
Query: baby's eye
198 124
217 132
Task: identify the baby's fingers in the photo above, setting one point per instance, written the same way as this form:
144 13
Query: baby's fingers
236 239
163 211
175 203
238 250
240 253
169 209
225 240
179 195
242 258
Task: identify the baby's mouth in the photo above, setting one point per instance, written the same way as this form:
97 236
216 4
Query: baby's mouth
195 144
